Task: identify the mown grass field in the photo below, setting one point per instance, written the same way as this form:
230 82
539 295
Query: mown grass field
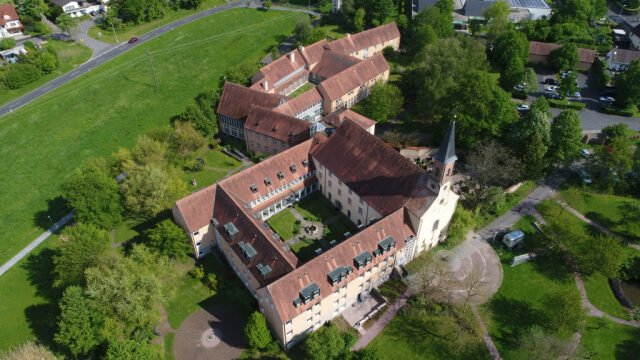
70 55
284 224
42 143
130 30
606 210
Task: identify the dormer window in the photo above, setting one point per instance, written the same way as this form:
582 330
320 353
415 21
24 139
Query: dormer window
247 250
293 169
254 188
309 293
305 162
386 245
280 175
362 260
231 230
267 181
264 270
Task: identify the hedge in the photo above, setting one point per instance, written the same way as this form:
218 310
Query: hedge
564 104
616 111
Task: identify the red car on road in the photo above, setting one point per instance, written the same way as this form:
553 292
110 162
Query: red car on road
132 40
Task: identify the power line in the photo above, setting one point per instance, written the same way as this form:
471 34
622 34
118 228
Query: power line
152 69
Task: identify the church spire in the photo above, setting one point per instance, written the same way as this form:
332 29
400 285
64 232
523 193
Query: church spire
444 160
447 152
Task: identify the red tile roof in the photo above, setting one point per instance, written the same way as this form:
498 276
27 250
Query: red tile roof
544 49
9 10
372 169
300 102
337 117
313 52
279 68
285 289
197 208
276 125
353 77
269 250
239 185
624 56
332 63
236 100
366 39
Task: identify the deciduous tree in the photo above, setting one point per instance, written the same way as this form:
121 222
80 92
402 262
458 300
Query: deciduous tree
564 58
256 331
565 137
93 194
84 243
383 104
79 323
168 239
149 189
628 85
564 311
497 17
324 344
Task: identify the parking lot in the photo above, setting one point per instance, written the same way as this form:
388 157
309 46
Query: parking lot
591 117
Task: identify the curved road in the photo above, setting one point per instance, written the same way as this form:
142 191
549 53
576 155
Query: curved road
99 60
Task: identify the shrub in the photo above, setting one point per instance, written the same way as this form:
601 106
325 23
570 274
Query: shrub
520 94
196 165
564 104
212 283
617 111
296 227
7 43
20 75
197 272
29 351
256 331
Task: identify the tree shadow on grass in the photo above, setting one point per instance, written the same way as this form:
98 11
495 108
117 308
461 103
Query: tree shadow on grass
514 318
628 349
600 219
144 225
42 318
553 265
57 208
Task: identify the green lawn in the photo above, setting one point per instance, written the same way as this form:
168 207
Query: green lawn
44 142
218 159
520 301
191 294
284 224
70 55
305 252
337 229
302 89
411 336
28 305
605 210
315 208
613 341
125 231
131 30
168 346
207 177
601 296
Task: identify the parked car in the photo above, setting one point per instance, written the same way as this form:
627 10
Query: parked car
522 107
552 88
575 94
551 81
607 99
565 74
522 86
132 40
93 13
585 153
586 178
553 96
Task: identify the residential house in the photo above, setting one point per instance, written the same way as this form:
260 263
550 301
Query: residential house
270 132
620 59
235 103
77 8
400 209
539 54
10 24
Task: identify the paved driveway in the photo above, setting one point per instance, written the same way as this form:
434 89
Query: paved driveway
591 118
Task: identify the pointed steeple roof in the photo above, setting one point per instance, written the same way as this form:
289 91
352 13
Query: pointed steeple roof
447 152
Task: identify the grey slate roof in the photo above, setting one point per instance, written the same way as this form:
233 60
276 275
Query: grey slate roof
423 4
447 151
476 8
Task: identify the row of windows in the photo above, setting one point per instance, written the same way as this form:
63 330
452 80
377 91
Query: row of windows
284 79
224 119
233 131
310 111
274 192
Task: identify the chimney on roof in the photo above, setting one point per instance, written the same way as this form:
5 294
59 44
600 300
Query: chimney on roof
301 48
348 35
265 84
292 56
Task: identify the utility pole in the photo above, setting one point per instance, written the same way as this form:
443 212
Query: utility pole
114 33
152 69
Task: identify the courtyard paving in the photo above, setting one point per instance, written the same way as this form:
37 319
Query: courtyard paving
193 340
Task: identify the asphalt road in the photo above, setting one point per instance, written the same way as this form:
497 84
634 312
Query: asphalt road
591 118
101 59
